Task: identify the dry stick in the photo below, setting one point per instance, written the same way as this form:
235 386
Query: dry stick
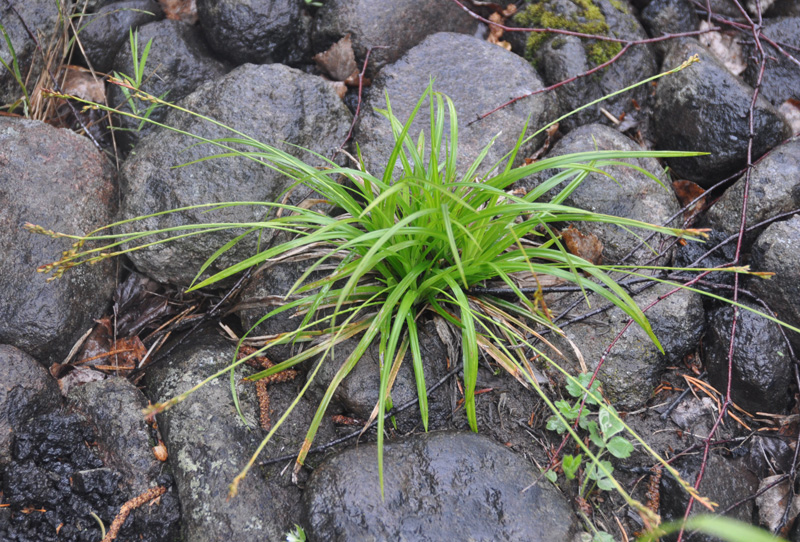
392 412
358 104
56 84
626 44
128 507
756 30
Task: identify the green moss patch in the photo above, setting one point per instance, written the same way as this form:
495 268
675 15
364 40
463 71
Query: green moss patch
588 19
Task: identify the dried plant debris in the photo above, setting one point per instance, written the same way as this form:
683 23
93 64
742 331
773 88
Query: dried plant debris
263 362
584 245
180 10
686 192
499 17
726 47
339 62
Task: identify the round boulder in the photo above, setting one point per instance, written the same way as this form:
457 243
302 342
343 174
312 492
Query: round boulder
478 77
706 108
774 189
394 25
438 486
272 103
257 31
56 179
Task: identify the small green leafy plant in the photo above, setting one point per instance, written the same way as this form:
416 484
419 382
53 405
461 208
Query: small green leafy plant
296 535
603 433
133 84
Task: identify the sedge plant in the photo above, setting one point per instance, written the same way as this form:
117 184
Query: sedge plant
410 242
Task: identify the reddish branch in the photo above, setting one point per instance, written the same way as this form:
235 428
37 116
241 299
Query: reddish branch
358 104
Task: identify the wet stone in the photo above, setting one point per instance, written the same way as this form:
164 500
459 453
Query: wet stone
774 189
104 32
273 104
629 194
776 251
257 31
209 444
438 486
705 108
58 476
634 365
397 25
781 79
761 362
178 62
477 76
26 391
60 181
40 16
358 392
668 17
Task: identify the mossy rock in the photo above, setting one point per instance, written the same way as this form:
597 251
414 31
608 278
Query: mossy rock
584 16
560 56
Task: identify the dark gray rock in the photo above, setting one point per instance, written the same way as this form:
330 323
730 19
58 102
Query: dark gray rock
40 16
58 180
628 193
273 104
397 25
26 390
265 292
774 189
725 481
114 407
358 392
776 251
784 8
478 76
438 486
178 63
781 79
634 365
705 108
761 362
209 445
103 33
256 31
561 57
669 17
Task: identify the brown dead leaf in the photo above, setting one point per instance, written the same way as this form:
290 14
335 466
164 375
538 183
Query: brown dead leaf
583 245
180 10
496 32
726 47
687 191
339 61
79 82
791 110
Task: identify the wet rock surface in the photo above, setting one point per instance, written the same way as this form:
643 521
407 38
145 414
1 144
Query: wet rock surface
705 108
776 251
257 31
358 392
38 16
271 103
761 363
774 189
454 60
440 486
105 31
393 25
634 365
209 444
56 479
626 193
45 319
95 453
178 62
781 81
26 391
